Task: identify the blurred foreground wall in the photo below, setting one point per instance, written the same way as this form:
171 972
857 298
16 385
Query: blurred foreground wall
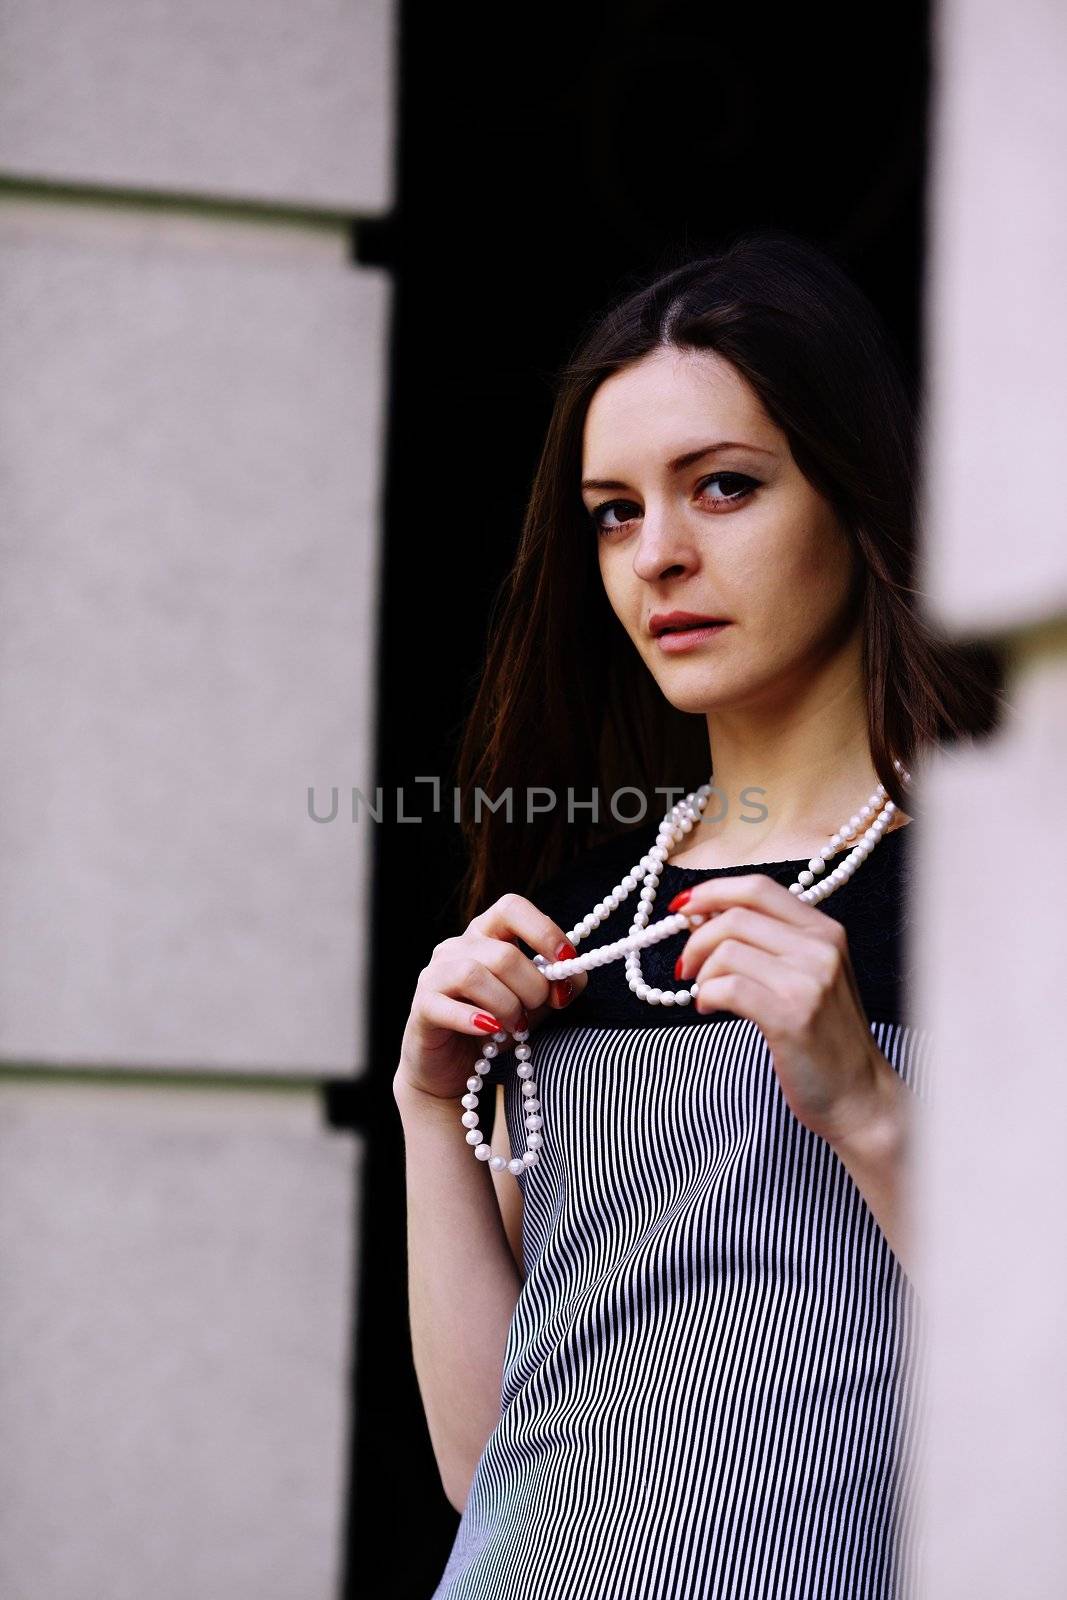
993 884
191 428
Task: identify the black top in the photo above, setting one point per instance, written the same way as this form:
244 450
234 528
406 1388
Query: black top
872 907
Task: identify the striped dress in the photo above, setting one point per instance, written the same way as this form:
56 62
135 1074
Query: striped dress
709 1387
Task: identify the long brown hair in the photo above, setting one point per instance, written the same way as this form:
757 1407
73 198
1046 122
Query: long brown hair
565 701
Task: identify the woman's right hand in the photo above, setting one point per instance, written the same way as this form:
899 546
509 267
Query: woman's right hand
481 973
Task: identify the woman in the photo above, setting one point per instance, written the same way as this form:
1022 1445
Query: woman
662 1346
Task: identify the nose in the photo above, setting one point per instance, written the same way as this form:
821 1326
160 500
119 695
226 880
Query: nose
665 548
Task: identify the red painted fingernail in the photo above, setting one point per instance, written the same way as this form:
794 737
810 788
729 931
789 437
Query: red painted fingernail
562 990
679 900
678 967
488 1024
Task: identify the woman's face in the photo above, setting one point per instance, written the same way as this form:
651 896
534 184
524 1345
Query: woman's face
734 532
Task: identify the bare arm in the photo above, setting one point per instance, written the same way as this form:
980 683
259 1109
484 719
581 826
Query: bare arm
875 1146
463 1285
463 1277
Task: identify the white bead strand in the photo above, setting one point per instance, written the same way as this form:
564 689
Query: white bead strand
873 818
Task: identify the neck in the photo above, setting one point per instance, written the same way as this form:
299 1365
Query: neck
785 778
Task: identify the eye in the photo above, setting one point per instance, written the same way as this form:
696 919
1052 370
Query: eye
738 485
735 478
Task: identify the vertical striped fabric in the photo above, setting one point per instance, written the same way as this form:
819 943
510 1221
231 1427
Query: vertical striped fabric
710 1385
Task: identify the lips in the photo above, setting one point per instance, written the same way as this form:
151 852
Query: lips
685 627
676 640
662 622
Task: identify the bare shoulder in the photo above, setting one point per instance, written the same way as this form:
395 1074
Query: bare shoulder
508 1193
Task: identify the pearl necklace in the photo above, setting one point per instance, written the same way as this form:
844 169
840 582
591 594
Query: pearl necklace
873 818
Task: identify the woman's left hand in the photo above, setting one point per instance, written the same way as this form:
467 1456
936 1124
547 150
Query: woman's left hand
781 962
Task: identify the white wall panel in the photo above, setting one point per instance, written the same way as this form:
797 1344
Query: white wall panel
996 315
993 1183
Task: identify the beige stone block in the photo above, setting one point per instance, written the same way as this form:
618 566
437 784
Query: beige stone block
245 99
190 458
175 1344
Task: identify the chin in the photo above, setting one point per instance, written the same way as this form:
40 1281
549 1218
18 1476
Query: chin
695 698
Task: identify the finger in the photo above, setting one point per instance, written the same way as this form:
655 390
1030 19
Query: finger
577 981
755 928
508 963
742 994
779 993
514 911
441 1011
573 986
562 991
754 889
513 916
468 979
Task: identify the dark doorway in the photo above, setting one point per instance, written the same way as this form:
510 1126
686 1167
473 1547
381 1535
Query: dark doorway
545 156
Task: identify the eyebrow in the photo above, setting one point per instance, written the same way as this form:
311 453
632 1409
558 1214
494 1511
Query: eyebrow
680 463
